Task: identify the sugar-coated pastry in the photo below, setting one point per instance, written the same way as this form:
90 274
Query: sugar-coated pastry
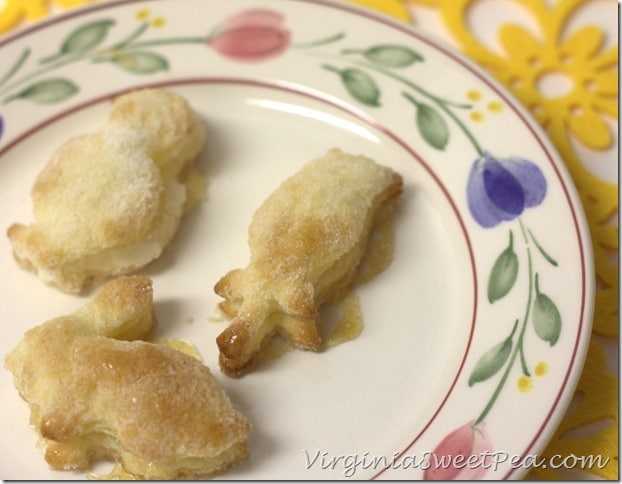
96 390
306 242
109 202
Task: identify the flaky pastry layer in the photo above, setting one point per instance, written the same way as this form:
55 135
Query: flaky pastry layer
306 242
97 390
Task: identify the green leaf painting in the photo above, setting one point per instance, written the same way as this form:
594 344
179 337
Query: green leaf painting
432 126
396 56
547 321
491 362
47 92
141 62
87 37
83 39
504 273
359 85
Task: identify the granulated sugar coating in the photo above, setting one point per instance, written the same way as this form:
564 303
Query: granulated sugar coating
109 202
306 241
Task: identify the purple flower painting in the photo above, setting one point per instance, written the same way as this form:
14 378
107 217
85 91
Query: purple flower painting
501 189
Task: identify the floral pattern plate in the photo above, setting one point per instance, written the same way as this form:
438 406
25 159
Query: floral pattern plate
474 337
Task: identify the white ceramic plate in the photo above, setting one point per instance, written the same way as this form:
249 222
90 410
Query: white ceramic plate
476 334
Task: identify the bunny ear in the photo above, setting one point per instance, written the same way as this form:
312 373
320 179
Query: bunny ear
231 285
120 309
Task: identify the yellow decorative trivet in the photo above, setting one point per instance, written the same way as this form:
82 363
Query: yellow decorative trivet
589 431
14 13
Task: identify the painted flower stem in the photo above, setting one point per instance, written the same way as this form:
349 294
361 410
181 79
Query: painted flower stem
518 348
444 105
132 37
168 41
330 68
523 361
320 42
16 67
544 254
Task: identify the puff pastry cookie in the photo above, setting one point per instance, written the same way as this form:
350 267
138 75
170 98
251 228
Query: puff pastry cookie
96 390
109 202
306 242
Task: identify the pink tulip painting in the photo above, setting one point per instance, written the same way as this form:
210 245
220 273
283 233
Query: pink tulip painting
462 455
251 36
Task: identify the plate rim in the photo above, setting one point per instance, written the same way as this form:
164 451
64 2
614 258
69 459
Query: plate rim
579 221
